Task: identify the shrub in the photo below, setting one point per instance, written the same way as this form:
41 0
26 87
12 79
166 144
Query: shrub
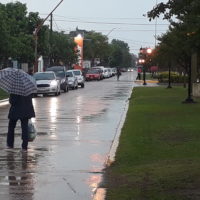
175 77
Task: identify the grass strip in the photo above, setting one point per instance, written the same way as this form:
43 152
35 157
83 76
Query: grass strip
158 153
3 94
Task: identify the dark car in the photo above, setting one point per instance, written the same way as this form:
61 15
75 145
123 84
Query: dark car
60 72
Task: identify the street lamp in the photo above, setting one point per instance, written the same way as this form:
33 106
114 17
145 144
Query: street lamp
144 53
169 75
79 42
35 35
149 50
142 62
189 99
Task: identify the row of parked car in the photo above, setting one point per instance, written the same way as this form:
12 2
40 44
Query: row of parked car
99 73
57 78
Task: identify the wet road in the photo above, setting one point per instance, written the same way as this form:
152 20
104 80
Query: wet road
75 133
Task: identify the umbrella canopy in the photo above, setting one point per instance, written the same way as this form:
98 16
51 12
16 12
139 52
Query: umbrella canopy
16 81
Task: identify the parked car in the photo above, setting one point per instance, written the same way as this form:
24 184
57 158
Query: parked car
47 83
105 73
80 77
72 79
93 74
60 72
100 68
114 71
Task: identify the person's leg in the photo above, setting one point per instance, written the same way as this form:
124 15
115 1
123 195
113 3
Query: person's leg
24 125
10 134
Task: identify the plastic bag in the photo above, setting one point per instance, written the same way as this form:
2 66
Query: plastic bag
31 132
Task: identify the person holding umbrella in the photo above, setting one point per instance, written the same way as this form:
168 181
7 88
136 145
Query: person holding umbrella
20 86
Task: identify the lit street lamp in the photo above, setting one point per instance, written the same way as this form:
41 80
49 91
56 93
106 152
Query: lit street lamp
79 42
144 53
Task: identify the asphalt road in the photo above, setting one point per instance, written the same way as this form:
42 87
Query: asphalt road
75 134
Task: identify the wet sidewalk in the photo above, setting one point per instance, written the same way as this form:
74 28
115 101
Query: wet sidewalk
75 137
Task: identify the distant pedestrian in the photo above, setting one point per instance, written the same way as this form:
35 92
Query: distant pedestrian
118 73
21 109
139 74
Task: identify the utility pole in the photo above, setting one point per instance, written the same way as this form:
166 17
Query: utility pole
50 39
156 21
35 35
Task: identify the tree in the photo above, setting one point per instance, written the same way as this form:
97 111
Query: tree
4 35
63 49
95 46
184 14
182 39
120 55
16 39
184 18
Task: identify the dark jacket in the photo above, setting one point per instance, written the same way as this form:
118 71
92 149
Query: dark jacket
21 107
118 72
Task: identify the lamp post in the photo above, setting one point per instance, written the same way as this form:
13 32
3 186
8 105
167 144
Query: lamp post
142 62
144 53
169 75
79 42
189 98
35 35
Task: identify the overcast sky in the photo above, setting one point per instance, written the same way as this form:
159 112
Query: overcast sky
119 19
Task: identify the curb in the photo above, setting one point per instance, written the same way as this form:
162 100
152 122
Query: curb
3 101
115 143
147 81
100 193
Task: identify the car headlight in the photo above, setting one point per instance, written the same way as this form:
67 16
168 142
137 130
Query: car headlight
54 83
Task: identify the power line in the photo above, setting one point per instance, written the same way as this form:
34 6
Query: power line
112 23
133 41
122 30
112 18
56 24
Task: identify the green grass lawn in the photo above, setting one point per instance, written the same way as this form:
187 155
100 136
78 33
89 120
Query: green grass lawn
3 95
158 157
148 76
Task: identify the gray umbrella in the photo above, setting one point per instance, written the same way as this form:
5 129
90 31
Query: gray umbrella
16 81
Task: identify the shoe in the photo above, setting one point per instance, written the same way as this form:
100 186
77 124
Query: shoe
23 150
24 145
8 148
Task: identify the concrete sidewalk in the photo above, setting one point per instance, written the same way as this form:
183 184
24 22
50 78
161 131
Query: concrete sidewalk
4 102
76 134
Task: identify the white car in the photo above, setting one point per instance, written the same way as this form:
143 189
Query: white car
105 73
47 83
72 79
114 71
80 77
109 72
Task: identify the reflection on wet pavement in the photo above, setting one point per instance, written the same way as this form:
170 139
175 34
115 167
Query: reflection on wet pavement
75 133
17 175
